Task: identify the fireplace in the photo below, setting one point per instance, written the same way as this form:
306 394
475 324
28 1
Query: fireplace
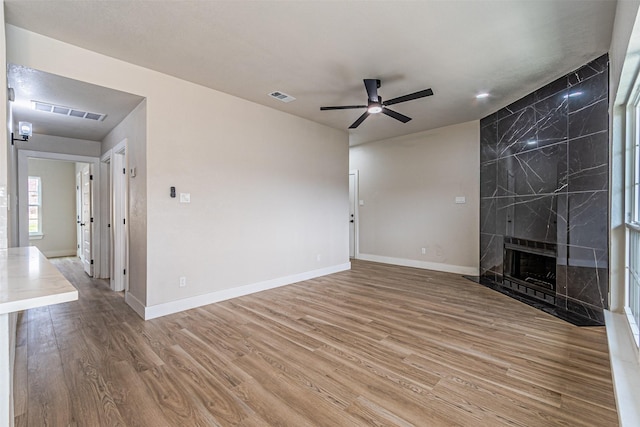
530 268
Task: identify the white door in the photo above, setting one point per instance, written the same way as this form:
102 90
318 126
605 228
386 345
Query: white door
119 227
352 214
86 220
78 215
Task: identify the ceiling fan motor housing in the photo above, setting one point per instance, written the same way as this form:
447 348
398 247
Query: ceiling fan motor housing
375 104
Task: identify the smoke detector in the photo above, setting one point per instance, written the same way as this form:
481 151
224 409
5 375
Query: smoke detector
281 96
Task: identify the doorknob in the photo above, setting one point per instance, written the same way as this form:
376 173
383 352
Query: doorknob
82 224
351 221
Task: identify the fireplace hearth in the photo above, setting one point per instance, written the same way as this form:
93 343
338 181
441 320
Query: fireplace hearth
530 268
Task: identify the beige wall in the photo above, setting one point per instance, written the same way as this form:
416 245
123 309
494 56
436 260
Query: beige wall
134 129
269 191
409 186
58 206
57 144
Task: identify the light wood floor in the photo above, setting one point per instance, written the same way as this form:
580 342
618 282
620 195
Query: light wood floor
377 345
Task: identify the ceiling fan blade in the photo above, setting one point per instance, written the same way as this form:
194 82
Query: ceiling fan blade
343 107
395 115
410 97
360 120
372 89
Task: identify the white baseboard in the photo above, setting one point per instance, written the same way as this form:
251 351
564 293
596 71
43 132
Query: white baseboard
625 368
134 303
60 253
197 301
447 268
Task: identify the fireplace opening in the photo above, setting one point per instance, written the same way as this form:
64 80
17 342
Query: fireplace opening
530 268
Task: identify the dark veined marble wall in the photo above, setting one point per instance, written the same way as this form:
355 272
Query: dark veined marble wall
544 176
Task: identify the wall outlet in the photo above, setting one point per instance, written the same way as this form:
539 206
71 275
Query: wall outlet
183 282
318 257
424 251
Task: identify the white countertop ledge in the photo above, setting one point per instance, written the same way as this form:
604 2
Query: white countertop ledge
29 280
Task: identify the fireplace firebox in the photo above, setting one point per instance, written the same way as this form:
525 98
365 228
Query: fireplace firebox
530 268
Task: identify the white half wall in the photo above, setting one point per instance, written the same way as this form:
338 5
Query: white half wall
58 206
407 190
268 190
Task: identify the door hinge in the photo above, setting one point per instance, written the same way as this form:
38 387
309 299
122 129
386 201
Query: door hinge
91 262
91 219
124 221
108 225
124 171
78 246
124 271
90 177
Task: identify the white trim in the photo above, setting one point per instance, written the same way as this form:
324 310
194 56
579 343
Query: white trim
105 232
447 268
36 236
120 216
633 326
135 304
59 253
625 368
197 301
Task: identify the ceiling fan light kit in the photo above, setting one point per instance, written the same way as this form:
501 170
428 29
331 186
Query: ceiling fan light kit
375 104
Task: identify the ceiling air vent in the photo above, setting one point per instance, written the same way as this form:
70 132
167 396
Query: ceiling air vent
67 111
282 96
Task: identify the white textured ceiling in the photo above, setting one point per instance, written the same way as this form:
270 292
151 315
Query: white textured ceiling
319 51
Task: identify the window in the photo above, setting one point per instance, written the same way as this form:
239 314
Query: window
35 205
632 300
635 183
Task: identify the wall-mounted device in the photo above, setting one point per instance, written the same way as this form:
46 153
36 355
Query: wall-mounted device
173 192
25 130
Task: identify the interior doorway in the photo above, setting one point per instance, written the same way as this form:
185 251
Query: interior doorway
115 160
86 219
353 214
92 204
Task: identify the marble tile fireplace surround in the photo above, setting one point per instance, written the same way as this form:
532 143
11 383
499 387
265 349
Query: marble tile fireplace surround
544 168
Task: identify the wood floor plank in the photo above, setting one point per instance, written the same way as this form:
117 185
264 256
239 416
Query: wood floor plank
49 401
378 345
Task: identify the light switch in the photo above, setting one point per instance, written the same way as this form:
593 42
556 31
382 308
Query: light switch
185 197
461 199
361 202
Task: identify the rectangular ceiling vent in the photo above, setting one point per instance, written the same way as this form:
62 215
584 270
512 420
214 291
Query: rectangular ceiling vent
67 111
282 96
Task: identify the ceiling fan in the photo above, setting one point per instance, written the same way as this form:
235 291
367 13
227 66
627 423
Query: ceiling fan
376 105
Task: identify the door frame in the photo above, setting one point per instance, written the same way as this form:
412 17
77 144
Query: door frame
23 208
356 210
106 197
116 209
78 213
